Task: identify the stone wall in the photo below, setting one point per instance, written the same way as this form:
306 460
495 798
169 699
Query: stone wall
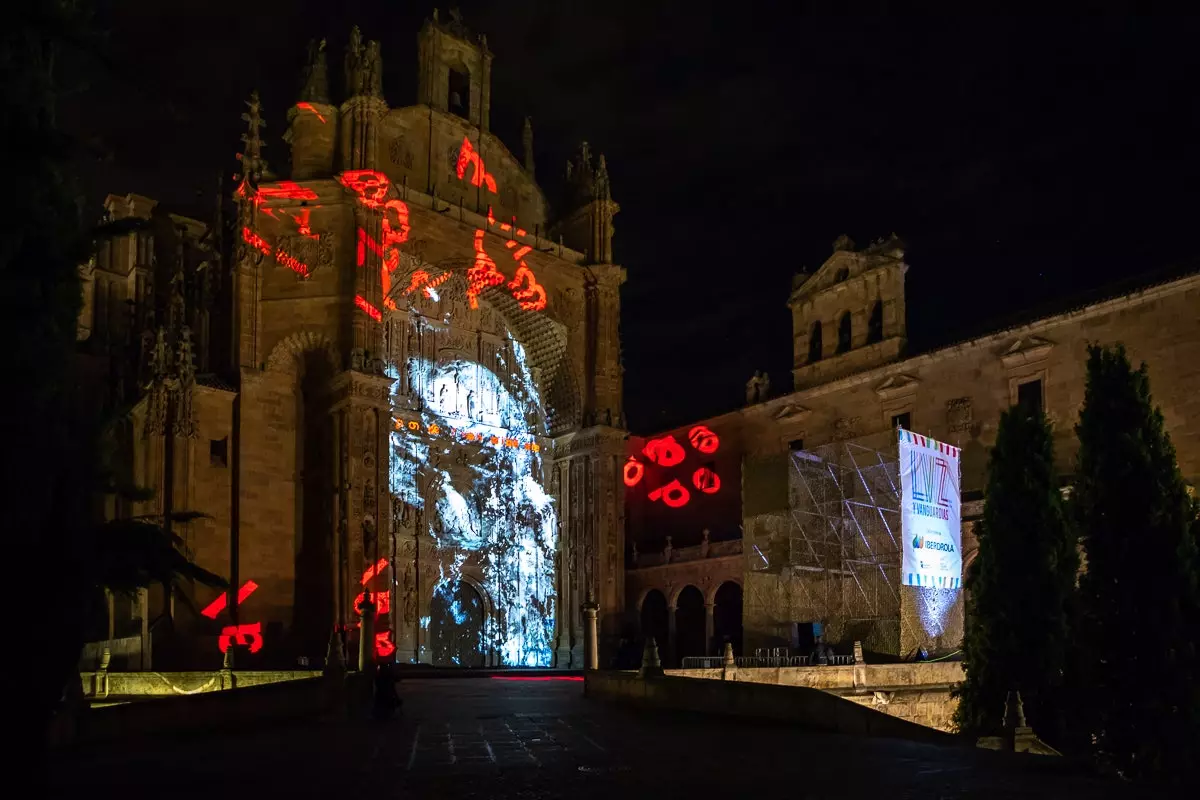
956 395
809 708
919 693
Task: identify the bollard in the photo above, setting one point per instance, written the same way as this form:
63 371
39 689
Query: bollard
591 644
651 664
228 681
728 664
366 634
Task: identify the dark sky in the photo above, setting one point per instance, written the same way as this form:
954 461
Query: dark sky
1024 160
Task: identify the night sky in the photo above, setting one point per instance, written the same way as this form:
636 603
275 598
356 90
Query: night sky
1024 161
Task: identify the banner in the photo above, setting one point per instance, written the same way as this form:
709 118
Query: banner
930 512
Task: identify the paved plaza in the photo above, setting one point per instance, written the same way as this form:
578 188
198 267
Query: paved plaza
495 738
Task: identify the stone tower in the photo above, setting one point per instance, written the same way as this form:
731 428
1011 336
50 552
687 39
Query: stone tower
849 315
454 70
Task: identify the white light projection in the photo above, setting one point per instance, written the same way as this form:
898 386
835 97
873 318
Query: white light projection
471 463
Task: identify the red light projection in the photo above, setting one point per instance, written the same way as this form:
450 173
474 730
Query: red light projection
247 634
674 494
420 279
384 646
371 187
286 190
467 157
217 606
302 224
258 243
371 311
382 601
309 107
706 480
703 439
664 451
483 272
533 296
633 472
294 264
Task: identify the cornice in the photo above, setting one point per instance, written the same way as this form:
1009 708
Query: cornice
1001 337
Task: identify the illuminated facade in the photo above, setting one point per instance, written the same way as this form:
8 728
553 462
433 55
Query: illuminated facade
814 511
422 404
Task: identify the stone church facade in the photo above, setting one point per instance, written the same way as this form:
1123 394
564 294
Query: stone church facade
854 384
392 376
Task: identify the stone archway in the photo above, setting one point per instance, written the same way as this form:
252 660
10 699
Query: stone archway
727 617
655 619
690 638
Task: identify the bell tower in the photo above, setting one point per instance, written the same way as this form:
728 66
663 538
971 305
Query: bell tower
849 315
454 70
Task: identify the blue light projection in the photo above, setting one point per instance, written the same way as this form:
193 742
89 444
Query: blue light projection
484 498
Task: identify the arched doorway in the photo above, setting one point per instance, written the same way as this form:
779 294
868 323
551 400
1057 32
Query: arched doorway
727 617
689 624
655 621
467 468
456 619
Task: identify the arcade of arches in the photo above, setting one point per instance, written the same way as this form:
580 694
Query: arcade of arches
691 604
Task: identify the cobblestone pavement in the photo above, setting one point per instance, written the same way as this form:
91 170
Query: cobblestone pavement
490 738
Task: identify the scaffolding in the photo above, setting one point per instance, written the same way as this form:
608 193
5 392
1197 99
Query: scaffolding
834 555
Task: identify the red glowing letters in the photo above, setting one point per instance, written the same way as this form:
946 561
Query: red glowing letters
217 606
674 494
706 480
467 157
703 439
664 451
633 472
249 633
309 107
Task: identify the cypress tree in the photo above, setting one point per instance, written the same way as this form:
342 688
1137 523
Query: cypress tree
1019 586
1138 595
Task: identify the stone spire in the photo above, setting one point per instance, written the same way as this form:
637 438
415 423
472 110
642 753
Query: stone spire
254 167
586 220
353 61
315 86
527 145
602 190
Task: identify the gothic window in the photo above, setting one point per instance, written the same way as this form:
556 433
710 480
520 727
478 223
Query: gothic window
814 344
458 94
875 324
844 333
842 274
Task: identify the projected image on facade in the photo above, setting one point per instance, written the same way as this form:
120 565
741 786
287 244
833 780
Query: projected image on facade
465 455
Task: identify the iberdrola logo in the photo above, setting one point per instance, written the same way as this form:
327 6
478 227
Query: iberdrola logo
918 542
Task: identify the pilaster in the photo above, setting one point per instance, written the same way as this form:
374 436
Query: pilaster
359 403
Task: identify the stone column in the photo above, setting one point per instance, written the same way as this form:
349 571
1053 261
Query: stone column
708 628
671 644
591 636
366 634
